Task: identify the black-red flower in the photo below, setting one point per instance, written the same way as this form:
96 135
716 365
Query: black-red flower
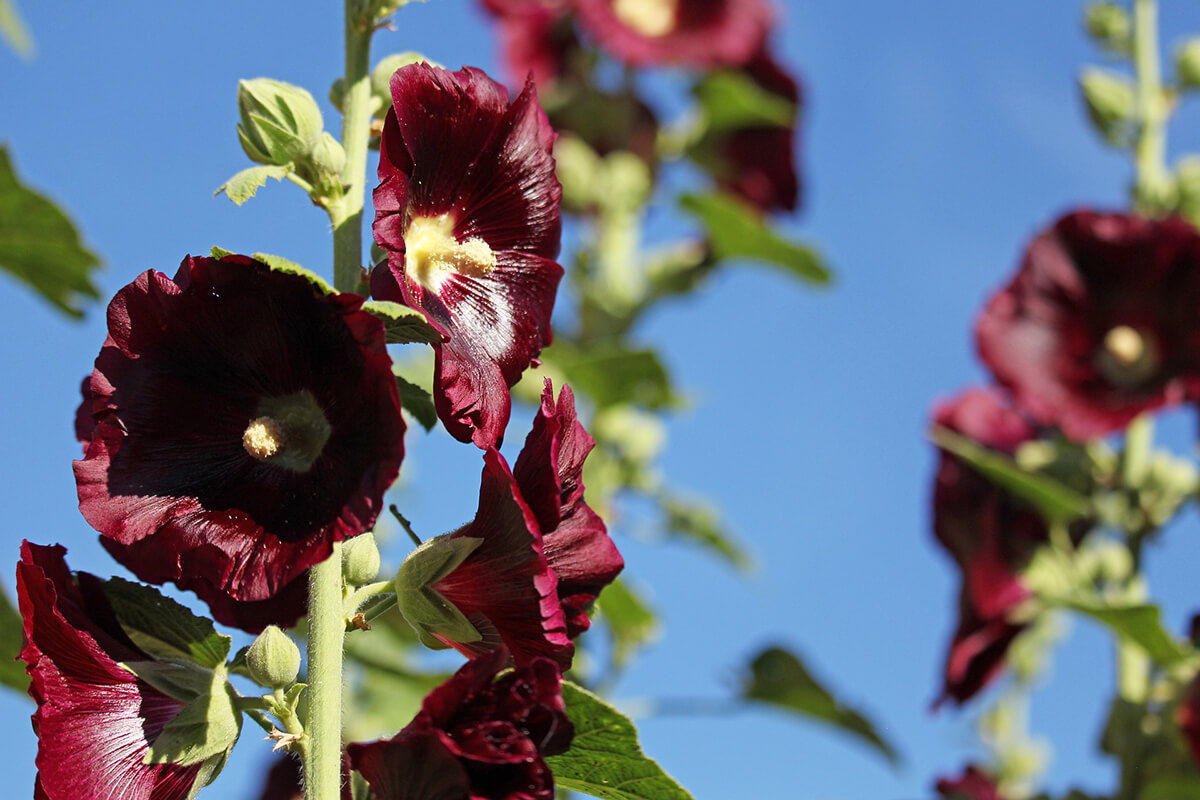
477 736
468 210
991 537
691 33
973 784
1100 323
241 422
95 719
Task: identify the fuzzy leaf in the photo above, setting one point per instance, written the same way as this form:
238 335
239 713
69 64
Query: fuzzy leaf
631 621
735 230
779 678
605 759
242 186
1053 500
700 524
13 30
164 628
281 264
203 729
1140 624
12 672
402 324
184 680
416 401
40 247
730 99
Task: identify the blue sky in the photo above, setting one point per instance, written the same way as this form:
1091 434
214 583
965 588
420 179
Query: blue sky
938 139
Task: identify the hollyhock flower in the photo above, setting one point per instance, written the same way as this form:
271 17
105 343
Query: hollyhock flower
95 719
974 784
1099 324
477 736
1188 717
285 780
692 33
990 536
549 473
468 210
536 36
242 423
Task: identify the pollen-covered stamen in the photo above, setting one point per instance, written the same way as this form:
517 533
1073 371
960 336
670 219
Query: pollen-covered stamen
1125 345
264 437
648 17
432 253
1127 356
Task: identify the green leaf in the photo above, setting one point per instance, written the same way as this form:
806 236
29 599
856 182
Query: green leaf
779 678
40 247
281 264
730 99
1053 500
630 619
735 230
13 29
700 523
184 680
205 728
416 401
164 628
605 759
1171 787
242 186
12 631
403 325
611 374
1139 624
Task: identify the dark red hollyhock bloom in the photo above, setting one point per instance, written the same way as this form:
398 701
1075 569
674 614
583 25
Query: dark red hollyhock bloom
975 784
536 36
95 720
691 33
468 210
759 163
549 473
1188 717
990 536
242 423
1099 324
477 736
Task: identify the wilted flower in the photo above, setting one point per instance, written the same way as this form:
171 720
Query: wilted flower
468 210
241 422
1100 323
95 719
477 736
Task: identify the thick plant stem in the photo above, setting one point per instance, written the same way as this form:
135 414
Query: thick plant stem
1151 149
326 631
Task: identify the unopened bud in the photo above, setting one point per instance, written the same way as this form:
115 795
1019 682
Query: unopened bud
360 559
1109 25
273 659
328 156
381 76
1187 64
1110 101
279 123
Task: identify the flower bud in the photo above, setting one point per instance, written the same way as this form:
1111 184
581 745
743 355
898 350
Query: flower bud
1187 64
273 659
381 76
1109 25
328 156
1110 101
280 123
360 559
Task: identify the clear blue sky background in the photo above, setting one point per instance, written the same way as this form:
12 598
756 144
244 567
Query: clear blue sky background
938 138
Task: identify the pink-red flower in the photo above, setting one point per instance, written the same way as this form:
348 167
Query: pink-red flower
973 784
536 36
239 423
990 535
468 210
95 719
477 736
1100 323
691 33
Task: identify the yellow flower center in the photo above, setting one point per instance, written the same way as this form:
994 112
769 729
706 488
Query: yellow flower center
1127 356
264 438
431 253
647 17
1125 345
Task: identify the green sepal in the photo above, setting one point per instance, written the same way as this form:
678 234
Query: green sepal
1053 500
205 728
736 230
402 325
434 560
12 634
731 100
180 678
416 400
778 678
40 247
242 186
163 628
605 759
429 613
1111 102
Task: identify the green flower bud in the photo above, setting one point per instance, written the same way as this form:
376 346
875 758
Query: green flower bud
427 611
1110 101
328 157
1187 64
360 559
280 123
1109 25
273 659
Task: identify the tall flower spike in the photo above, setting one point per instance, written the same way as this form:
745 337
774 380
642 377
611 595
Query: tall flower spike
240 424
468 210
95 720
1100 323
477 736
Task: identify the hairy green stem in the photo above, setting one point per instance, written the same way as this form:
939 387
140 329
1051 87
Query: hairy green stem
1150 152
